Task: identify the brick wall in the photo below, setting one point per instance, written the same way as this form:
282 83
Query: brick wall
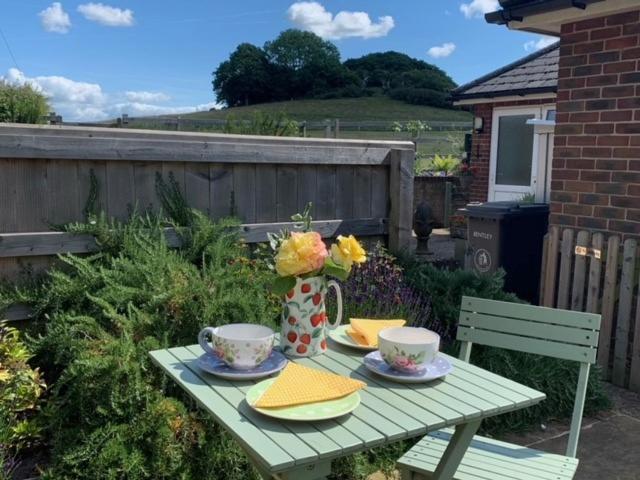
481 144
596 164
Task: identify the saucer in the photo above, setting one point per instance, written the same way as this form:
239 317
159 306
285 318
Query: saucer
213 365
340 335
437 369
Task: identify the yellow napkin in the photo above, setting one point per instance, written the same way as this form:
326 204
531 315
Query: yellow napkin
298 384
365 331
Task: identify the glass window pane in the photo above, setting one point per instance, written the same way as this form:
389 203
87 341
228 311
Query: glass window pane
515 150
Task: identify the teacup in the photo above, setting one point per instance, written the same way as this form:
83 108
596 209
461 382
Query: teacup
240 345
408 349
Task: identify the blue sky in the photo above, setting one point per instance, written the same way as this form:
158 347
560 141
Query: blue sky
96 60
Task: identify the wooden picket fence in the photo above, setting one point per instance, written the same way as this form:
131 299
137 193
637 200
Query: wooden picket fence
583 272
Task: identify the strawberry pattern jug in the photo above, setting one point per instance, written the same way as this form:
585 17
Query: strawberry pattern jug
304 317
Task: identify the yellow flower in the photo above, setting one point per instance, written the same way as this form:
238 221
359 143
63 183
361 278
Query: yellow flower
301 253
348 251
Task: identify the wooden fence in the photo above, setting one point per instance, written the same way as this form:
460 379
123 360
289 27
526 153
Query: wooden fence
583 272
359 187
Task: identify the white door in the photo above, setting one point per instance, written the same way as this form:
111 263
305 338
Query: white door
513 171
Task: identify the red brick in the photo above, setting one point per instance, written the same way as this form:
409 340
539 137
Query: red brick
588 70
633 190
576 209
602 80
617 116
633 215
634 141
611 188
628 128
571 83
583 93
556 219
591 47
624 201
557 163
564 197
629 102
621 43
573 61
557 185
566 174
622 18
589 24
619 91
611 165
594 199
589 140
632 228
596 152
567 27
592 223
575 37
564 73
613 140
631 29
580 163
584 117
608 104
603 33
630 77
569 129
598 128
609 212
604 57
627 177
576 186
628 152
567 152
555 207
573 106
630 53
566 50
559 140
593 175
563 95
619 67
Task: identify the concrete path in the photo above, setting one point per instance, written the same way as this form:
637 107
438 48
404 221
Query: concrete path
609 447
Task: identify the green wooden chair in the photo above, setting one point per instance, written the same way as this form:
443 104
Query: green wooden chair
544 331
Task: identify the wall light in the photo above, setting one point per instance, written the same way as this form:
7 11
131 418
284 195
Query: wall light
478 124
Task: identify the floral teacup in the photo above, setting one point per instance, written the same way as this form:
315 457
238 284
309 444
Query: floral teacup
240 345
408 349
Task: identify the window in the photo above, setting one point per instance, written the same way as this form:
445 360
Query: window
515 150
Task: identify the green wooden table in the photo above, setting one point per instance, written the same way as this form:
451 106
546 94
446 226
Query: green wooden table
389 412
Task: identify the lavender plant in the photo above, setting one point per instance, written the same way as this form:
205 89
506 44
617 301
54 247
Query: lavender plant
377 289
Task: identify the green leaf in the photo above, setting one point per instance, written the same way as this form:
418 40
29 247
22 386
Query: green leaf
333 269
281 285
316 333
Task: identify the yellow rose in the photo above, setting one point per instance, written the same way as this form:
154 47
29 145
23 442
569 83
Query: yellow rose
301 253
348 251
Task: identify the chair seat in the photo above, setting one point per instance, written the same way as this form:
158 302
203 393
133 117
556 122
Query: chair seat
488 459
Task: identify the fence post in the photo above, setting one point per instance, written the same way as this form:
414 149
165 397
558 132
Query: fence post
401 199
327 129
447 203
336 129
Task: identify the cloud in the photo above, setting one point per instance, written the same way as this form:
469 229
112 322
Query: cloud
107 15
147 97
542 42
477 8
55 19
314 17
83 101
442 51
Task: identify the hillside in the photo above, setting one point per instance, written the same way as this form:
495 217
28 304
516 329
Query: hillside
354 109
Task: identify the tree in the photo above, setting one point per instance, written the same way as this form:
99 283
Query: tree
22 104
305 64
245 78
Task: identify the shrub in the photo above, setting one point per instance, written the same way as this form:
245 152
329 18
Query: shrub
557 378
20 389
21 104
110 413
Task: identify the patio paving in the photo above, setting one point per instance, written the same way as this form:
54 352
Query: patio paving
608 448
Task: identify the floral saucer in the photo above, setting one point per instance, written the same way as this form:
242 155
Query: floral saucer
437 369
213 365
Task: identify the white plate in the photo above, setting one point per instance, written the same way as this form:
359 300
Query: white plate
307 412
437 369
340 335
213 365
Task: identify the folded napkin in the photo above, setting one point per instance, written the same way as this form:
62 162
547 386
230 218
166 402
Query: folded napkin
297 385
365 331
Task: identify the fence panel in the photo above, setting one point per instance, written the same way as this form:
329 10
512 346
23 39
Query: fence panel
360 187
577 266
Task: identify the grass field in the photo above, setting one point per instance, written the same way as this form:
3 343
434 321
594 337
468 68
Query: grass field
354 109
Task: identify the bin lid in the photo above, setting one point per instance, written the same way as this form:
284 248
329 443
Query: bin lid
506 209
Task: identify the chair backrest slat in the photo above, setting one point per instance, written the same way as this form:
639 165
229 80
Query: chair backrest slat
562 334
552 333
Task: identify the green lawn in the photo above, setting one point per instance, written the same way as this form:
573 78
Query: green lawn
369 108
